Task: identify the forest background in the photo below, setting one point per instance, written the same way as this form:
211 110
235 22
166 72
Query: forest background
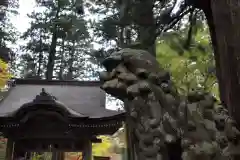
67 39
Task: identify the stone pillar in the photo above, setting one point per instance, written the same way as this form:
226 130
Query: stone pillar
87 151
9 150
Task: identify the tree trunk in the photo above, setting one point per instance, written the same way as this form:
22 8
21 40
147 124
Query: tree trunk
224 26
148 28
70 61
121 37
62 63
40 57
51 58
52 52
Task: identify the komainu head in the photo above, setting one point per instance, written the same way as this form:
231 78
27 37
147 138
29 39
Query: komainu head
127 67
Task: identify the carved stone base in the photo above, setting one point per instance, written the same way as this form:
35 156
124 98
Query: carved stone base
163 125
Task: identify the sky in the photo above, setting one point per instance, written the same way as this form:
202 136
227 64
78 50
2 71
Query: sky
21 21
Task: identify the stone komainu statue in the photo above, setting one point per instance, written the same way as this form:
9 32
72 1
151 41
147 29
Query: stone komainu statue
163 125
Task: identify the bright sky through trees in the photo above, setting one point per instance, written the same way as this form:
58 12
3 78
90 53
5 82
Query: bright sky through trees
22 23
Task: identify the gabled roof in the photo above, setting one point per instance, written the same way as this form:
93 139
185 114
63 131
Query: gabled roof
80 98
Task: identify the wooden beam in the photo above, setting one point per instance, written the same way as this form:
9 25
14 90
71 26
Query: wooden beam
57 82
96 140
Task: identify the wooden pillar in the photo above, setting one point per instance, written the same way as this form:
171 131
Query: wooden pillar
87 152
28 155
61 155
19 150
9 149
130 144
58 155
131 154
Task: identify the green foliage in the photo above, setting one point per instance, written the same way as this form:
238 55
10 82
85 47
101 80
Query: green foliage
192 68
102 149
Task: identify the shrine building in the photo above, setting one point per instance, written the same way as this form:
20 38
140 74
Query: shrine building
55 116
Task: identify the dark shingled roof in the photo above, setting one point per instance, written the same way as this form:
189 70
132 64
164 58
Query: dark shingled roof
81 99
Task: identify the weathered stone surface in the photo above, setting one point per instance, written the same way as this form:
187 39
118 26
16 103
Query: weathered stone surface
165 126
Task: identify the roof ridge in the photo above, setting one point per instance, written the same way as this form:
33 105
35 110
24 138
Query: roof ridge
21 81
